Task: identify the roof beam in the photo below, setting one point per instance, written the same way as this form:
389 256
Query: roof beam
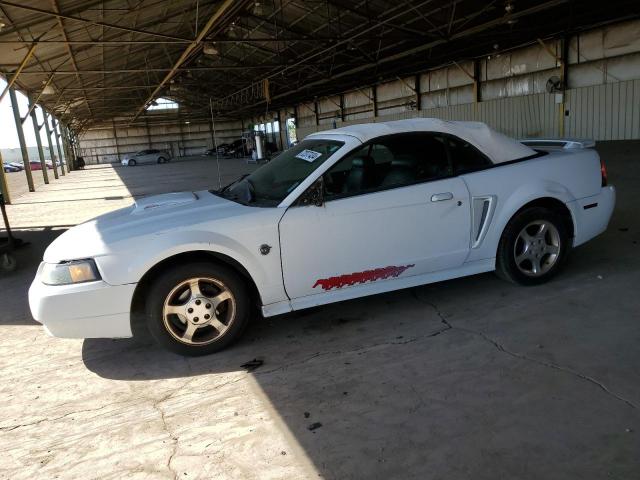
220 68
56 8
58 15
217 15
17 73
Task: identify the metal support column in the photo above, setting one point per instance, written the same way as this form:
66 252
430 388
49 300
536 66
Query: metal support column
23 145
342 115
115 136
4 188
146 124
418 93
52 153
72 152
36 132
476 82
374 99
280 128
55 134
564 80
64 136
315 111
181 143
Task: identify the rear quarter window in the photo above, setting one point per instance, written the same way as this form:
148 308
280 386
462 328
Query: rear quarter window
465 157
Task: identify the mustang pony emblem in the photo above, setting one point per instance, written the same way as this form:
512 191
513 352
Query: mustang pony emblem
360 277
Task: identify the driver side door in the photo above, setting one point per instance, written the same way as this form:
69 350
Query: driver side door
392 208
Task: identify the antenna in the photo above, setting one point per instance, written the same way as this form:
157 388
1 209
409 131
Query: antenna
215 143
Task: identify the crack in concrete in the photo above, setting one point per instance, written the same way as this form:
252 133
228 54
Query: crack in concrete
501 348
364 349
165 426
9 428
174 439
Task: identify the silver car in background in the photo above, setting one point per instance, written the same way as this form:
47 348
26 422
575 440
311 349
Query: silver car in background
145 156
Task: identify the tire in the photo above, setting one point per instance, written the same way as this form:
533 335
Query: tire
132 163
188 331
162 160
529 254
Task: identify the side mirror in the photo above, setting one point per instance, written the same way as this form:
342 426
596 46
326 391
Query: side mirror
314 195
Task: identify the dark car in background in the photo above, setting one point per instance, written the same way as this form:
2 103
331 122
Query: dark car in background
240 148
10 167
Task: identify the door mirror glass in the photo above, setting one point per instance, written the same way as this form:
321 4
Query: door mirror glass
314 195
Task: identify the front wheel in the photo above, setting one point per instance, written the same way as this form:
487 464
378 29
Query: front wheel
533 247
131 163
197 308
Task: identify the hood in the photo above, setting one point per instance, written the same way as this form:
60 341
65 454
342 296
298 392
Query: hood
145 204
130 228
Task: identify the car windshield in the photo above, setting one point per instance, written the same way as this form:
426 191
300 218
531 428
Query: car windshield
271 183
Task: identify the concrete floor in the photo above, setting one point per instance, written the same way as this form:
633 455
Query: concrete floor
470 378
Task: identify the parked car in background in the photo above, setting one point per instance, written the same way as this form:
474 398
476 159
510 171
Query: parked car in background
240 148
36 165
222 150
270 148
349 212
146 156
8 167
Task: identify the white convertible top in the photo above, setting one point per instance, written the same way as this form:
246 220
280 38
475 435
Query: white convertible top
499 148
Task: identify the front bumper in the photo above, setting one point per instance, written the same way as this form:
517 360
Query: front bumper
83 310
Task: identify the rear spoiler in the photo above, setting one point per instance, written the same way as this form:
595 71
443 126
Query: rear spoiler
557 143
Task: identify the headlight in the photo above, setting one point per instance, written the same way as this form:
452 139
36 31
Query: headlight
77 271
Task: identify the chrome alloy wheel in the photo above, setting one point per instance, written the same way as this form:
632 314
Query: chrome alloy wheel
198 311
537 248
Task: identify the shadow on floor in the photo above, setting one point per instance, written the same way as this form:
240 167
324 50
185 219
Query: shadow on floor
14 285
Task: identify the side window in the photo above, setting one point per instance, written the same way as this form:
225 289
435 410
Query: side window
354 172
391 162
465 157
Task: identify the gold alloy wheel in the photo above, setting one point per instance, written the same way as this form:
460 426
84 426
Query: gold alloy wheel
199 311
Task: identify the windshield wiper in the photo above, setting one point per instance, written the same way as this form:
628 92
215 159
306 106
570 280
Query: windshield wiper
252 191
226 187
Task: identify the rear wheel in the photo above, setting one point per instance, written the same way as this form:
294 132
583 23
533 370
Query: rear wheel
162 160
533 247
197 308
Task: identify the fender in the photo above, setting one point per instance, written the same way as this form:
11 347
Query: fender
507 207
164 245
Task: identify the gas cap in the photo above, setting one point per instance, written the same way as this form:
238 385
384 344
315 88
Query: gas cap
265 249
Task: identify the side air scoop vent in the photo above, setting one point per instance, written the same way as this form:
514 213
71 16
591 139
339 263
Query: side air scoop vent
482 212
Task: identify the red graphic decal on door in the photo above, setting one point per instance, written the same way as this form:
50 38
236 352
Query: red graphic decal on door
360 277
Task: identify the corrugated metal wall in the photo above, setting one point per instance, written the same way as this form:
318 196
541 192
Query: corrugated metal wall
602 100
604 112
109 144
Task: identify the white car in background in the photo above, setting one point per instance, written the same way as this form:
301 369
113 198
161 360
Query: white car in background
346 213
145 156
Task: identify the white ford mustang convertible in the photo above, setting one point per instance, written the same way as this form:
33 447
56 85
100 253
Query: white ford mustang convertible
346 213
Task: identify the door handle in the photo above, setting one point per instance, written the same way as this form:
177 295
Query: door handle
440 197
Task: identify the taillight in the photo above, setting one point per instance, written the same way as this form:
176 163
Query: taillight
603 173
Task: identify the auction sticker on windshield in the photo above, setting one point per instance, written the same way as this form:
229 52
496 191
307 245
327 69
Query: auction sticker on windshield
308 155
